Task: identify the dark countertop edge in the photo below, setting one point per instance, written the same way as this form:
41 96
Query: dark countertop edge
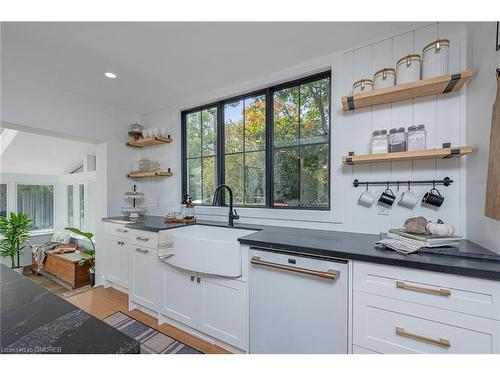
406 263
377 258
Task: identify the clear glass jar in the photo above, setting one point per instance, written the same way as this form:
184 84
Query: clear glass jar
379 142
417 138
397 140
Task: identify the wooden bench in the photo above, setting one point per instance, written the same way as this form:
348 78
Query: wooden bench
65 270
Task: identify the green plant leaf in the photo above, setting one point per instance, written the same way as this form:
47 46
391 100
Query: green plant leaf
88 235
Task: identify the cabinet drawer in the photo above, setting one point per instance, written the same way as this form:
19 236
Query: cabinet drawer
117 230
463 294
392 326
143 238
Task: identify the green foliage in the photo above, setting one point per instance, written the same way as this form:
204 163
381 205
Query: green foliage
90 254
15 231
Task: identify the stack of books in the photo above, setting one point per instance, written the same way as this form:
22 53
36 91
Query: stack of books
423 240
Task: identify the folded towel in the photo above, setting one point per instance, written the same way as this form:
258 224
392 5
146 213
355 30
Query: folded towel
165 244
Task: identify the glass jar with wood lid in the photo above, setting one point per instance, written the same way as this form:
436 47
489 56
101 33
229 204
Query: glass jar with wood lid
408 69
435 58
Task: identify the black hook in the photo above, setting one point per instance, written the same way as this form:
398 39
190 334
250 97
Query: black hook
366 185
409 185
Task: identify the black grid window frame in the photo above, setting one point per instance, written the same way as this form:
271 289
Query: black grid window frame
269 149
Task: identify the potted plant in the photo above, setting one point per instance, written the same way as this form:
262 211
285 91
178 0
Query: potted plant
90 254
15 230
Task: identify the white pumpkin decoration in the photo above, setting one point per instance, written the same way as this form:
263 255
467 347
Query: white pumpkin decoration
440 229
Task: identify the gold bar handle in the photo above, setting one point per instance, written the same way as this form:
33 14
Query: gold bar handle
436 292
330 274
441 342
144 251
141 238
121 230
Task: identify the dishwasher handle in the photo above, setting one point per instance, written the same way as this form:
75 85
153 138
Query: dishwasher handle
330 274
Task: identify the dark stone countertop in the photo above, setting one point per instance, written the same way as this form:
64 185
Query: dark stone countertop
34 320
344 245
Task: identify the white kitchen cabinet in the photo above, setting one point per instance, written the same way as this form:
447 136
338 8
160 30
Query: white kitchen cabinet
115 259
400 310
181 295
223 309
144 276
215 306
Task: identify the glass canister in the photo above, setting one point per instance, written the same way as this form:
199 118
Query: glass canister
361 86
435 58
379 142
417 137
408 69
384 78
397 140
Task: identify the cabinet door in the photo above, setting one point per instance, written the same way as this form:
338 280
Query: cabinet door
181 295
223 309
115 261
143 269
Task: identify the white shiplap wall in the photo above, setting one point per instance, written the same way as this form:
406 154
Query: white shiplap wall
443 116
444 119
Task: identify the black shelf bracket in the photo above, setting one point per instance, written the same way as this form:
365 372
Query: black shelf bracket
453 81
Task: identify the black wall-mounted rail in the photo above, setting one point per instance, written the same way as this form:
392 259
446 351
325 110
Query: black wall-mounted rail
445 181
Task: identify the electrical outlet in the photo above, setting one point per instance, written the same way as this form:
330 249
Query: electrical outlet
382 210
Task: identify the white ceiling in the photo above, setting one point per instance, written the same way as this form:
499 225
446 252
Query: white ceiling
160 64
37 154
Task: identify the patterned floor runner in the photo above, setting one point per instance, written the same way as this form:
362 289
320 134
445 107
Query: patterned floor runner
152 341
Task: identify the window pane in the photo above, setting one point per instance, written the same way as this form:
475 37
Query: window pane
314 176
3 200
286 117
208 179
234 177
194 179
314 111
82 207
286 177
71 217
255 122
208 128
233 127
193 134
37 201
255 177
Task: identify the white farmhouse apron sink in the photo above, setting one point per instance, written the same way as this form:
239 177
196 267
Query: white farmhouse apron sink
206 249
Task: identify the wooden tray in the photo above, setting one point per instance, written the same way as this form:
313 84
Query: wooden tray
183 221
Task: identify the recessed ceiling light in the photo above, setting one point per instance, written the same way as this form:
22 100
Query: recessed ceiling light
110 75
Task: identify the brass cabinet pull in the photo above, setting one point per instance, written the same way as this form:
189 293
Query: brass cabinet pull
330 274
198 279
141 238
436 292
192 277
121 230
441 342
144 251
121 243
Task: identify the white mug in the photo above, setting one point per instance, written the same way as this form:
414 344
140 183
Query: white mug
366 198
408 199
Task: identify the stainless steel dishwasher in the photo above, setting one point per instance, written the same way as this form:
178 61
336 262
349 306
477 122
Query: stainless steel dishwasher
298 304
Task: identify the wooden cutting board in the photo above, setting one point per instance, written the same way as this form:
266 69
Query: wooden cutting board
492 205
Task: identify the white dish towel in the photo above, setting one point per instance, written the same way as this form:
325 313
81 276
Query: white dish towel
165 244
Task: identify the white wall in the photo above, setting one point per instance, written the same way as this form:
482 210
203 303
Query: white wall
444 117
39 107
481 93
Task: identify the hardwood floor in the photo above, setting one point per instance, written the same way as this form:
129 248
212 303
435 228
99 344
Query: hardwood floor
101 302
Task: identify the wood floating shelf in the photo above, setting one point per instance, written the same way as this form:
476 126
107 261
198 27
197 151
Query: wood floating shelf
146 142
435 153
150 174
417 89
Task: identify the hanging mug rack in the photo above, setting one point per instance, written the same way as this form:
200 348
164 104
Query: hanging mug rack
445 182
